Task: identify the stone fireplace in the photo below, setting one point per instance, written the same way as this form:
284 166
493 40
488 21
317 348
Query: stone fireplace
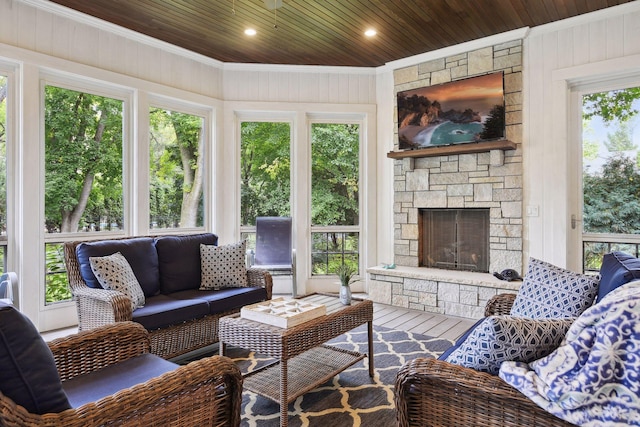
490 181
454 239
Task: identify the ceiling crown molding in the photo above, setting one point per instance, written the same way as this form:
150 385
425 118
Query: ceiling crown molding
82 18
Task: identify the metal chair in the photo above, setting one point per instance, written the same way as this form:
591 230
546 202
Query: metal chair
8 281
274 247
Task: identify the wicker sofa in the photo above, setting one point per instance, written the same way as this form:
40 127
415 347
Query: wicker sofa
431 392
106 376
179 317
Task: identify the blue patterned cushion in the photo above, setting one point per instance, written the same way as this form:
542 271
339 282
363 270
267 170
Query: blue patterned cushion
617 269
553 292
504 338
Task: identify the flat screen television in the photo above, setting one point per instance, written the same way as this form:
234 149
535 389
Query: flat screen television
459 112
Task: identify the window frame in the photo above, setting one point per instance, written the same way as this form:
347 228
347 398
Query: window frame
346 119
576 95
207 115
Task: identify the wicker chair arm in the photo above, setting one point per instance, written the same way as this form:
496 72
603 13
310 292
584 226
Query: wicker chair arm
430 392
95 349
206 392
262 278
98 307
499 305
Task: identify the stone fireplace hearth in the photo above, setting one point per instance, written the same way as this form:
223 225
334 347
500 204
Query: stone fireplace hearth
490 180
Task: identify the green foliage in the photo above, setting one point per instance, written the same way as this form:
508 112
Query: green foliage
620 139
335 174
57 285
176 195
612 198
611 106
346 273
83 160
265 170
330 250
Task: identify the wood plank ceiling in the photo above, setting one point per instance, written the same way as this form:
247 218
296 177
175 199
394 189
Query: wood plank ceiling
327 32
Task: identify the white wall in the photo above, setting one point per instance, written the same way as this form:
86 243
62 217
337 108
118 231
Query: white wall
601 45
39 38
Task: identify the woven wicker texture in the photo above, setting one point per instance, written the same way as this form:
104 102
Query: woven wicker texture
203 393
285 344
99 307
434 393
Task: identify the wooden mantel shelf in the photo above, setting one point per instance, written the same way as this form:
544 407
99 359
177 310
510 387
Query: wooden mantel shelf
445 150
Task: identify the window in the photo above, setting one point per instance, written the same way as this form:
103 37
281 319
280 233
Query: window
83 173
176 169
265 173
335 211
610 174
3 170
83 162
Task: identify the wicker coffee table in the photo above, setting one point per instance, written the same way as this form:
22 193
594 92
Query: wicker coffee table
304 360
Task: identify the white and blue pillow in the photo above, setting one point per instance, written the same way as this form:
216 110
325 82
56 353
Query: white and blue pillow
553 292
114 272
496 339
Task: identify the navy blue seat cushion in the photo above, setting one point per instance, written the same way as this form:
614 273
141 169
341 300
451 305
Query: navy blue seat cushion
110 380
161 311
140 252
179 260
617 269
225 299
28 373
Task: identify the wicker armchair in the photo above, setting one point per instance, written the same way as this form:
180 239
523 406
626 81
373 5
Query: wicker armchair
98 307
207 392
430 392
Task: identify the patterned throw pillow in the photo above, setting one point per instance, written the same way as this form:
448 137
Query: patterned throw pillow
223 266
553 292
504 338
114 272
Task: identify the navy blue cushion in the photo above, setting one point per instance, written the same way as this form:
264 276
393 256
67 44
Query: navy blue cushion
161 311
140 252
225 299
617 269
110 380
179 258
28 373
460 340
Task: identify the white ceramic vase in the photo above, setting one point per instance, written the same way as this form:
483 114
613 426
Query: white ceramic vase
345 295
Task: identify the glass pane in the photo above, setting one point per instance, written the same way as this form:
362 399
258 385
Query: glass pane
265 166
176 169
611 177
335 174
56 282
83 162
331 250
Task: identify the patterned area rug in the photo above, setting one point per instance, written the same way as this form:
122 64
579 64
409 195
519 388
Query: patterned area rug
351 398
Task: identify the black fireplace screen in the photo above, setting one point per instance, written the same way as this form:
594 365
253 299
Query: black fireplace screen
455 239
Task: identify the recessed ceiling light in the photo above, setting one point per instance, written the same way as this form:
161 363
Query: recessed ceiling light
370 32
250 32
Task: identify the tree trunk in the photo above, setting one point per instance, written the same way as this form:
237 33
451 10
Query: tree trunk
71 219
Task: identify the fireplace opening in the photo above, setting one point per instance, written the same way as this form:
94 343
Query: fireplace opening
454 239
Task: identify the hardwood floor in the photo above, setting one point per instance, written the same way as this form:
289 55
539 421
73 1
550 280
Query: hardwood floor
420 322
